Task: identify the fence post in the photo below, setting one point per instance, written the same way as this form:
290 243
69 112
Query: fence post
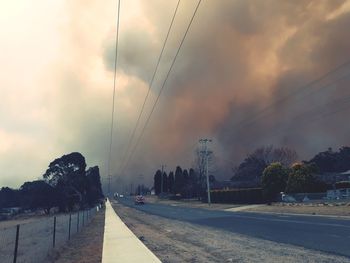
70 222
54 232
16 245
78 222
83 217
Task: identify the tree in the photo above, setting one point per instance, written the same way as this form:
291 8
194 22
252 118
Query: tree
157 182
64 169
165 182
9 197
171 182
343 160
332 162
301 179
251 169
38 194
179 180
94 188
75 186
274 180
193 183
201 167
212 179
67 175
199 164
186 188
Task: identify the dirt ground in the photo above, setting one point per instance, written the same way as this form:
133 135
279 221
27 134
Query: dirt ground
174 242
84 247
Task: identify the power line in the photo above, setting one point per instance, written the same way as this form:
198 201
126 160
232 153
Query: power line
163 85
306 116
340 103
113 100
150 84
261 113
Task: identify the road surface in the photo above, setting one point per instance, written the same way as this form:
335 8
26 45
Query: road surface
325 234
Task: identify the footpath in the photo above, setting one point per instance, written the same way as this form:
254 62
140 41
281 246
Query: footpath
120 244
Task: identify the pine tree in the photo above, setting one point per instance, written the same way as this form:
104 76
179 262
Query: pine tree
179 180
157 182
171 183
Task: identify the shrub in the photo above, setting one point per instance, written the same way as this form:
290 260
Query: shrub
274 180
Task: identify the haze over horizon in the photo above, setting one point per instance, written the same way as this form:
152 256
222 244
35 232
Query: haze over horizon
57 63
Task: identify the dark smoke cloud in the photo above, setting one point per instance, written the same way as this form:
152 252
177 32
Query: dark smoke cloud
240 57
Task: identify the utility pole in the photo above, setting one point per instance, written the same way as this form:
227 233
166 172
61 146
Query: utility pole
206 156
161 184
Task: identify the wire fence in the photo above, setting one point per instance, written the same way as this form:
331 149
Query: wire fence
31 242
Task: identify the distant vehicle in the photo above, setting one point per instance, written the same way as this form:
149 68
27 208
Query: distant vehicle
121 195
139 200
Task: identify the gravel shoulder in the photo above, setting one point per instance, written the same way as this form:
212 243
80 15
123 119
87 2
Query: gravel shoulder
175 241
84 247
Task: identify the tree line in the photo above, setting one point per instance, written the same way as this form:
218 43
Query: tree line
184 183
276 170
249 172
66 184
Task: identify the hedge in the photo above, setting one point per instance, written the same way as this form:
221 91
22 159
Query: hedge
240 196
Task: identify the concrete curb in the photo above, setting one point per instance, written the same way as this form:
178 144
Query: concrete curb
120 244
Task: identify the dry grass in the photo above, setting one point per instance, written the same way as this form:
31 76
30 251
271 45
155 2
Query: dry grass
84 247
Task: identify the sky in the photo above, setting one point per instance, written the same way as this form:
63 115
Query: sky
238 80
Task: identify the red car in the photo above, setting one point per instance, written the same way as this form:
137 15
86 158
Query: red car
139 200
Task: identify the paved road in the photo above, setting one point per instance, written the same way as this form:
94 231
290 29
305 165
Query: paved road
320 233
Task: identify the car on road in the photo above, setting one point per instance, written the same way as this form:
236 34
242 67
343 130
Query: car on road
139 200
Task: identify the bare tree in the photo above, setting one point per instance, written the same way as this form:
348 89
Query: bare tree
200 167
269 154
251 169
